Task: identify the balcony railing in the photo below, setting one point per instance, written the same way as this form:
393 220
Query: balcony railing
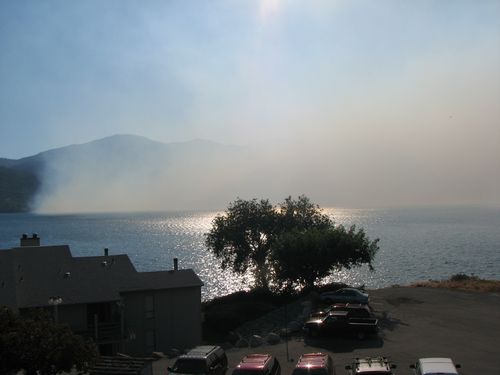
103 332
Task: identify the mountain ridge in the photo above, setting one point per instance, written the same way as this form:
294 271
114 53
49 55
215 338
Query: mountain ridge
110 140
104 159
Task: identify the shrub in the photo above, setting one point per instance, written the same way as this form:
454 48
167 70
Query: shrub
459 277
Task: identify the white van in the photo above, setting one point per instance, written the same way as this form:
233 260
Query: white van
432 366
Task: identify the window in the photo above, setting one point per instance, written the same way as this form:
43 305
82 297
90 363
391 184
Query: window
149 307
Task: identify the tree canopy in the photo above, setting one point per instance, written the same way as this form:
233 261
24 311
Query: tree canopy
38 346
292 244
242 237
300 258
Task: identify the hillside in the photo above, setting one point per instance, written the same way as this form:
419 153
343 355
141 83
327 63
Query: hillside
17 189
113 173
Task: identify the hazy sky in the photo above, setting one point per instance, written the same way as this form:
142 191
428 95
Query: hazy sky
394 94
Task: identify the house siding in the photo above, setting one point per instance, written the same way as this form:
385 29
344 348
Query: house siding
75 316
176 322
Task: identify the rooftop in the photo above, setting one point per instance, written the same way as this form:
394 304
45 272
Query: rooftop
378 365
437 366
30 275
254 361
312 360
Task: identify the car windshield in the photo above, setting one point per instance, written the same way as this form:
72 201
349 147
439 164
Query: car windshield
330 319
189 366
310 371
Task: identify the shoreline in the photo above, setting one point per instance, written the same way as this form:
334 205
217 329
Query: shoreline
462 281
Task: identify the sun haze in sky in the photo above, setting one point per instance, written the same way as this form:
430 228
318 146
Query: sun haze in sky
373 103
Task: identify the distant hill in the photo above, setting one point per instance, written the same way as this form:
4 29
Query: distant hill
17 189
128 164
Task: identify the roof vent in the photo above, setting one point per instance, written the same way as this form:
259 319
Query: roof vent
67 275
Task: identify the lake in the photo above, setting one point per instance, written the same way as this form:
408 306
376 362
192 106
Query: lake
415 244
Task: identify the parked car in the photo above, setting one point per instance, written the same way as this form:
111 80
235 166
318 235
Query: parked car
314 364
357 310
258 364
345 295
371 366
428 366
207 360
341 322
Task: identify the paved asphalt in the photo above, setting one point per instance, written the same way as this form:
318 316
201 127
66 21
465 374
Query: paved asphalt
414 323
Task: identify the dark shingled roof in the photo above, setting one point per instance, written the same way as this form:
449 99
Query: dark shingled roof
30 275
120 365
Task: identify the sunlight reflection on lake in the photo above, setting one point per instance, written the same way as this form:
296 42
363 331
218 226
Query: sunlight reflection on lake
415 244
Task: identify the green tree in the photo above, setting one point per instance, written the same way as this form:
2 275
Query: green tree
301 258
242 238
291 244
301 214
38 346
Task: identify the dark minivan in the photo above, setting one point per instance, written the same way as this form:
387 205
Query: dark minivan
206 360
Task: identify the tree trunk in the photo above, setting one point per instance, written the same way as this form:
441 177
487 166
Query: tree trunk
261 278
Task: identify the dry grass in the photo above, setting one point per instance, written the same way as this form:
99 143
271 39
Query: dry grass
463 282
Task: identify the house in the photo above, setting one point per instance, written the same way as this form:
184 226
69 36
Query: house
104 297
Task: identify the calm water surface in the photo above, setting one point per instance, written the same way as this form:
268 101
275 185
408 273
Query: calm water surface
415 244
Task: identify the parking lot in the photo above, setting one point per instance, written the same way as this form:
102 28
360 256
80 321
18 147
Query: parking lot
414 323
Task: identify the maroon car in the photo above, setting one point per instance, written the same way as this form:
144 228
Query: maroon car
314 364
258 364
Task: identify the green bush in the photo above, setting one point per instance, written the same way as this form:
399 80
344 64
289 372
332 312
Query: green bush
463 277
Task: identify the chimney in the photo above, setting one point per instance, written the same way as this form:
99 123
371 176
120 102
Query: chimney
106 251
176 264
30 241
